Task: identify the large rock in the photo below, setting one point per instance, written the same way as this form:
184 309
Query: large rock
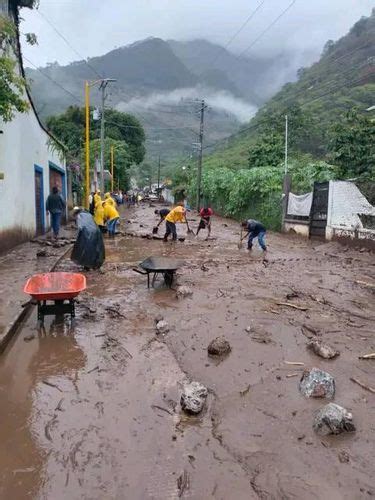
323 350
219 347
316 383
333 419
193 397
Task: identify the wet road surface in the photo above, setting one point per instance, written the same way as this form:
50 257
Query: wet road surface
92 410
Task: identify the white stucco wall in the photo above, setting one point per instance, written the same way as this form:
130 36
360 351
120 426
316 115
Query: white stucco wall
23 144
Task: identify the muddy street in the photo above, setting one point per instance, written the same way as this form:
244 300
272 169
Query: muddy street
92 410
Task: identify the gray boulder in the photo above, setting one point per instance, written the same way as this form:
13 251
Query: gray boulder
183 292
162 327
316 383
333 419
193 397
219 347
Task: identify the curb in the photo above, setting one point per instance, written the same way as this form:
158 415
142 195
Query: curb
16 323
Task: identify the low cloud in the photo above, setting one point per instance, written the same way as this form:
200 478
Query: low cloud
216 99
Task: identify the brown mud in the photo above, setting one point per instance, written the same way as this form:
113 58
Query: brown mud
91 410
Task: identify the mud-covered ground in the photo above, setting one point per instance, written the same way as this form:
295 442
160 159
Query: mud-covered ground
91 411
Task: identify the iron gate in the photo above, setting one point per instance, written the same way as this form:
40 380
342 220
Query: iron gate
319 209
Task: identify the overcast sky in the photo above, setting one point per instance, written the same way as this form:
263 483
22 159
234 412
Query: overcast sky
94 27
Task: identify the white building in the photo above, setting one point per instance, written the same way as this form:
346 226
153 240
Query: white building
31 163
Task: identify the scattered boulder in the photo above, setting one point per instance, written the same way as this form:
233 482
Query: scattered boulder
219 347
162 327
248 329
41 253
333 419
323 350
316 383
158 317
193 397
183 292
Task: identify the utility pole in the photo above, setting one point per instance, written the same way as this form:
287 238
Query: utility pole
103 86
159 178
112 170
200 157
286 144
87 144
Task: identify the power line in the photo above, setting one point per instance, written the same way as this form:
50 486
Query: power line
268 28
262 122
233 37
53 81
68 43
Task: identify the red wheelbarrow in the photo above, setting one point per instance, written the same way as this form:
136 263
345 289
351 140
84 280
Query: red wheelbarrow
59 288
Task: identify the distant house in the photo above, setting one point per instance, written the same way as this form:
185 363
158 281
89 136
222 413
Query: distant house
31 163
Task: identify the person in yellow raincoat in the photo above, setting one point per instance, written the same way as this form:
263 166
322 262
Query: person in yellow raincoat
178 214
99 215
111 216
97 198
109 200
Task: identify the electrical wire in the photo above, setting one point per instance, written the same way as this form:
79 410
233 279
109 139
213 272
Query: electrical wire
53 81
233 37
68 43
267 28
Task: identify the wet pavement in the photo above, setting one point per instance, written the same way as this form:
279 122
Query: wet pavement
91 410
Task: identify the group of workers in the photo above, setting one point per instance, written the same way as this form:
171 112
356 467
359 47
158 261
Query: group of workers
104 212
254 229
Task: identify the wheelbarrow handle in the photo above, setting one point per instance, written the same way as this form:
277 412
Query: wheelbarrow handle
139 271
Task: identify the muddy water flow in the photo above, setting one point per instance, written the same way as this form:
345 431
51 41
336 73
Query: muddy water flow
92 410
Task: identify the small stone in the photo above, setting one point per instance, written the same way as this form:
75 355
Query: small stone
193 397
343 456
323 350
333 419
219 347
316 383
183 292
248 329
162 327
28 338
41 253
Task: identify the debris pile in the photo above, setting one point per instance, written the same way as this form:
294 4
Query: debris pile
323 350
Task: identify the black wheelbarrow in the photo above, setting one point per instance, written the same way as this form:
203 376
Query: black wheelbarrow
159 265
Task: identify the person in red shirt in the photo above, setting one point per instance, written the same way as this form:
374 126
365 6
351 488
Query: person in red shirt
205 222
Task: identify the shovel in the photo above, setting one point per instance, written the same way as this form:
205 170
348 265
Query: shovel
190 231
240 244
156 228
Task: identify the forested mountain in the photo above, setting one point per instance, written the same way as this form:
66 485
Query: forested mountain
158 82
342 80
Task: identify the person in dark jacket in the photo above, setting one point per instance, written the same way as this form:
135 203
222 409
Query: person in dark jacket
55 205
163 212
255 229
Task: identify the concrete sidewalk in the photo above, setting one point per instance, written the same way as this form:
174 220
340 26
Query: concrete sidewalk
16 266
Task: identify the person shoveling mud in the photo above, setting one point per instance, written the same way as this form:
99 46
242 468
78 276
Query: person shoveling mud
255 229
177 214
88 250
163 212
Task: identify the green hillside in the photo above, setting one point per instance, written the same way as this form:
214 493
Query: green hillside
343 79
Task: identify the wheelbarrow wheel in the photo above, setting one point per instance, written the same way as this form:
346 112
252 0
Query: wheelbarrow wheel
168 278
